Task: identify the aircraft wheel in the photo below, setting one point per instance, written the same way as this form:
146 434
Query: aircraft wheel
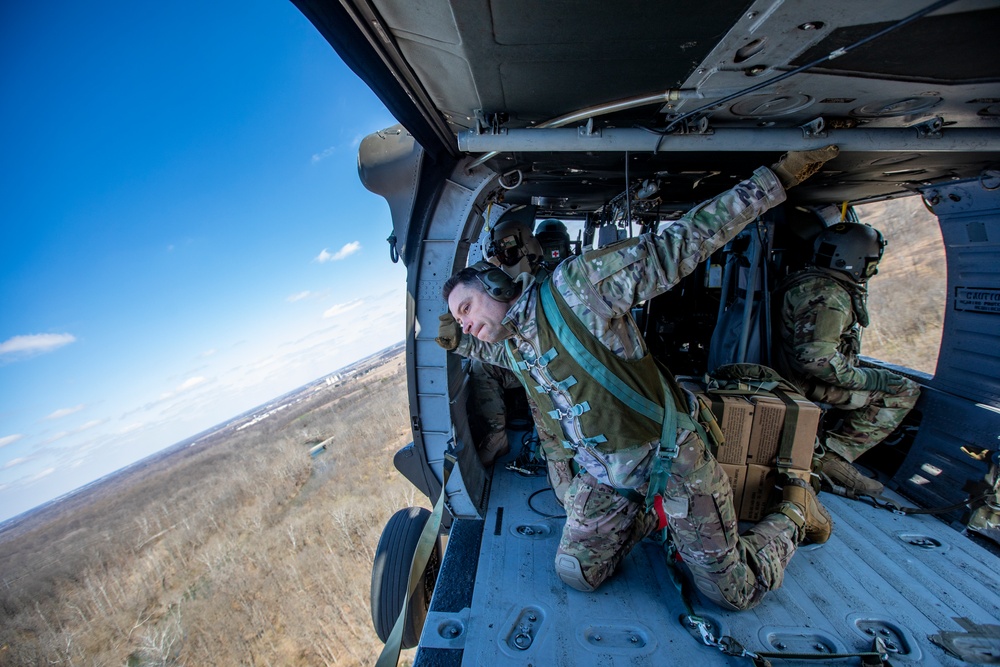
391 573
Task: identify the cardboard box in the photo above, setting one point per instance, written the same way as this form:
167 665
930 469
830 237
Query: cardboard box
768 424
759 492
735 417
737 478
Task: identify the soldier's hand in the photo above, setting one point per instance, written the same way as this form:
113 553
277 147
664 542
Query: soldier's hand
796 166
449 332
881 379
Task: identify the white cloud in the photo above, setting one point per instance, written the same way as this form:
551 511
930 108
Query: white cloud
44 473
346 251
14 462
190 383
342 308
324 154
54 437
35 344
63 412
208 353
299 296
8 439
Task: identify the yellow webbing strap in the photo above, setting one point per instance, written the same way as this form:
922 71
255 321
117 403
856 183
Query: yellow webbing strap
425 546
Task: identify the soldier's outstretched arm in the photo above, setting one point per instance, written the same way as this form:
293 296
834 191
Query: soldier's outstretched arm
680 247
627 273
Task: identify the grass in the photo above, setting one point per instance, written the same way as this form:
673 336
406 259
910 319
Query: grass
243 552
907 298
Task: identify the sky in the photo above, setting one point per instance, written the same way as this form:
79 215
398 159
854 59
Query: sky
184 234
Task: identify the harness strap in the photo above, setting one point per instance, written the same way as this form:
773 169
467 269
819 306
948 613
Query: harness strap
593 366
787 431
389 656
877 657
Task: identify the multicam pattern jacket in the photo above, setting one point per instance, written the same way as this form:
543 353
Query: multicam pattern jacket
820 330
602 286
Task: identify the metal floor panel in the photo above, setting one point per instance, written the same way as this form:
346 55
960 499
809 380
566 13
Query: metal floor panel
904 578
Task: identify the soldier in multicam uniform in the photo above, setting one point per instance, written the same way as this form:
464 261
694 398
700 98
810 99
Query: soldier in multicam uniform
572 340
515 250
823 311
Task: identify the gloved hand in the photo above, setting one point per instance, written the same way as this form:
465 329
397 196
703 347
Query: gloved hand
449 332
796 166
880 379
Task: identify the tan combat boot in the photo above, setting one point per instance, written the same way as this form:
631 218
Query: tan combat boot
804 509
846 480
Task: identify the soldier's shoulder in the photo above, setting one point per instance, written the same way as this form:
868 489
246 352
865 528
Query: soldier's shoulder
813 286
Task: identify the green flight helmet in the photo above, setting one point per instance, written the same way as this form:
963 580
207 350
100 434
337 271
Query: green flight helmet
511 240
851 248
554 239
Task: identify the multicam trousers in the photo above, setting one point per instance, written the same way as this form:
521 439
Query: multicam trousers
733 570
870 415
488 409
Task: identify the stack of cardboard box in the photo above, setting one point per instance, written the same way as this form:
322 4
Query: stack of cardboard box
752 426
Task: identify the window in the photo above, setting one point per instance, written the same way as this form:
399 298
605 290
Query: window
907 297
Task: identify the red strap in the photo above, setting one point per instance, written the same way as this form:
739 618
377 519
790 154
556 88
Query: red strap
660 514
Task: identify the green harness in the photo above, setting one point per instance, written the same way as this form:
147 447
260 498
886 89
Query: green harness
618 403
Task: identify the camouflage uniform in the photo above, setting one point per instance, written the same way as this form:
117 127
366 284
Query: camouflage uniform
604 521
822 315
487 406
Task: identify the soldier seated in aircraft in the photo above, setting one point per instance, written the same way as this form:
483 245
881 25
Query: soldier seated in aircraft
643 459
823 312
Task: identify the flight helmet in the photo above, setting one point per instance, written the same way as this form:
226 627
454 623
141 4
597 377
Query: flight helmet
511 241
554 239
851 248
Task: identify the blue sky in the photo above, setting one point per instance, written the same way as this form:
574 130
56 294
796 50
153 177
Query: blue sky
184 235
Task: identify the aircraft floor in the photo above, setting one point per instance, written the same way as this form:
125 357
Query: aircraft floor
901 578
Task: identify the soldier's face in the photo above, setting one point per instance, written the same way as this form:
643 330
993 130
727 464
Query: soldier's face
478 313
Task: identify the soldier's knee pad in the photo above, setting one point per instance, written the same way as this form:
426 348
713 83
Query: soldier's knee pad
731 599
570 571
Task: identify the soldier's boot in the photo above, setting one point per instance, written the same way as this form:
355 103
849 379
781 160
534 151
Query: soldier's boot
799 503
985 521
493 446
846 480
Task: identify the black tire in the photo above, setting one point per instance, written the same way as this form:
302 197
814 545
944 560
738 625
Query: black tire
391 572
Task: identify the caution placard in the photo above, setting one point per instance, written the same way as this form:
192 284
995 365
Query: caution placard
978 299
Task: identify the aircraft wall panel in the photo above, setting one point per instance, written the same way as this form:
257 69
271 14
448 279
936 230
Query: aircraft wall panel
968 364
434 413
432 380
937 468
451 213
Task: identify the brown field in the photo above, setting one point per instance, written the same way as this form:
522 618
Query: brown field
244 551
907 298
